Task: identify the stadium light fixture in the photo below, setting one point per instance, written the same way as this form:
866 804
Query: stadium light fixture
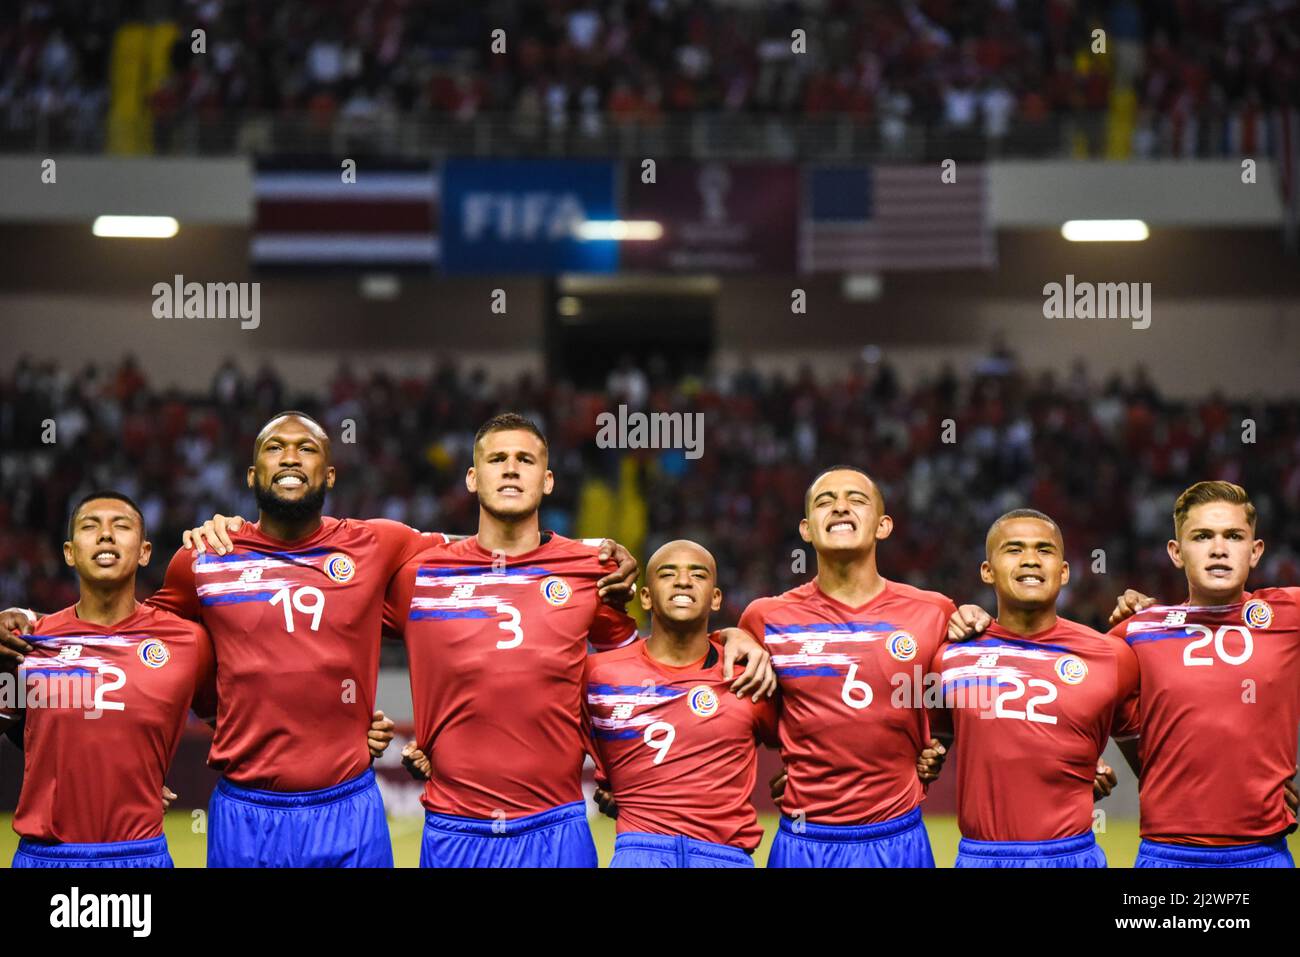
623 230
135 227
1105 230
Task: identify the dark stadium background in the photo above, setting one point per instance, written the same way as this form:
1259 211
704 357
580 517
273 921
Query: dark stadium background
1093 421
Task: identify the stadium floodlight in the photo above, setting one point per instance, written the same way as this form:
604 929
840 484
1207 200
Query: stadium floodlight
624 230
135 227
1105 230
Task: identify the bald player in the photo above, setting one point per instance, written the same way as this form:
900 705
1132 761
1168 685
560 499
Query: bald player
1031 704
840 646
498 627
677 752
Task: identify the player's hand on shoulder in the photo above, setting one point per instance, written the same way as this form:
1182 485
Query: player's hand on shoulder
758 679
777 785
214 534
1104 782
929 763
1130 603
14 623
416 762
380 735
617 588
605 801
967 622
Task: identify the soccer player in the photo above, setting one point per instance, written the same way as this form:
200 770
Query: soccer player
497 628
1220 695
1031 705
107 686
295 613
677 753
841 646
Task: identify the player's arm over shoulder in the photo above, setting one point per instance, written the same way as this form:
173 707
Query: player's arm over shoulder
754 618
398 542
179 592
204 701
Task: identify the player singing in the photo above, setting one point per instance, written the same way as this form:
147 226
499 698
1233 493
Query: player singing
839 645
677 753
294 604
497 628
1220 695
108 686
1032 704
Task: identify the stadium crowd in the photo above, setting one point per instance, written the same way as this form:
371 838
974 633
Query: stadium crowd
1205 74
1105 459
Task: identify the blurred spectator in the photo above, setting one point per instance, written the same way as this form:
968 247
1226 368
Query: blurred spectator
1195 67
1106 461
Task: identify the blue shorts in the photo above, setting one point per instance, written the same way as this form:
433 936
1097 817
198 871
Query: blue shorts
1265 854
148 853
902 842
1078 851
635 849
559 837
342 826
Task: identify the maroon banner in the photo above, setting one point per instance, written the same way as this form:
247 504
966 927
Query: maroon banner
716 217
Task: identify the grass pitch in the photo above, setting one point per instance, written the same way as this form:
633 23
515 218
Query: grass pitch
1120 841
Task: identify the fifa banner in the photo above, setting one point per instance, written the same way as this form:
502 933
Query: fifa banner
885 218
527 216
322 214
715 217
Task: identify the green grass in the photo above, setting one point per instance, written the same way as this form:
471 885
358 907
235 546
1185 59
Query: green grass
188 849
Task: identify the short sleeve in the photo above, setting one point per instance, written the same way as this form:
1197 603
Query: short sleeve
204 703
179 593
1127 722
766 714
752 621
588 738
611 628
399 543
397 600
939 718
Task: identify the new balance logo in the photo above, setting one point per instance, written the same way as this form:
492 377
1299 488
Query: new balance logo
251 575
1176 618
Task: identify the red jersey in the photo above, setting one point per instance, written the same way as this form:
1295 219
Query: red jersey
91 779
1220 706
496 649
1031 715
675 746
849 749
296 627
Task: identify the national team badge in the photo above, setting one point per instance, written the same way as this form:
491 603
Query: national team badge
340 568
556 591
1071 669
901 646
1257 613
153 653
702 700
